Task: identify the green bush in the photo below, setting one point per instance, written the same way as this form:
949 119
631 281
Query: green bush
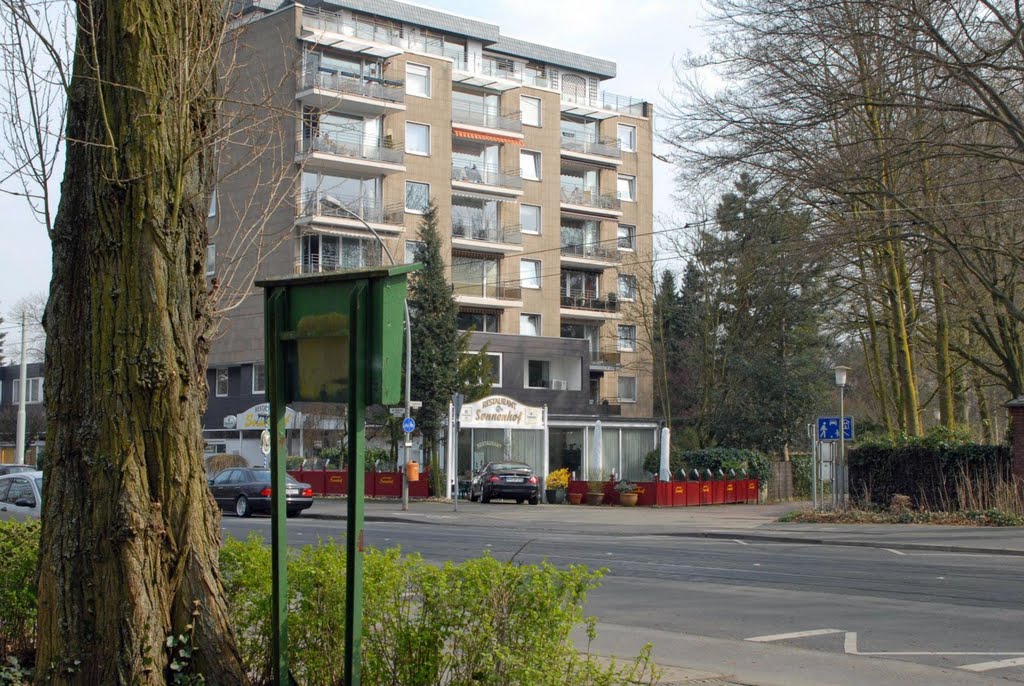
758 465
19 547
221 461
803 476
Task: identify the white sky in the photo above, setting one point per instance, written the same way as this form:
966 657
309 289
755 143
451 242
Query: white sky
643 37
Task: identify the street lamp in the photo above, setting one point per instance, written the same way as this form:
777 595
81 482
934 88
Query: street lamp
841 492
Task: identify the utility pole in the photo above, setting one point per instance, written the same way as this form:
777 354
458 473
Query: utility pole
19 451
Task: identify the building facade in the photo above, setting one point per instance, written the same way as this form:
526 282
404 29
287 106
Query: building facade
35 411
542 183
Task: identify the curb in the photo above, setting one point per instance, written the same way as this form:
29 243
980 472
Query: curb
933 547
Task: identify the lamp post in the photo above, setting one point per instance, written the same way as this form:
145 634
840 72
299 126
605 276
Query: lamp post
841 492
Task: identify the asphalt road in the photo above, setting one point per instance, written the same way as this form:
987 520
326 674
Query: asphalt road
819 614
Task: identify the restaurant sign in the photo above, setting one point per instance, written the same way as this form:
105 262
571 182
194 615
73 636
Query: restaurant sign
258 416
500 412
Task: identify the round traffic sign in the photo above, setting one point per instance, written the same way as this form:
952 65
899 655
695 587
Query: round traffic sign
408 425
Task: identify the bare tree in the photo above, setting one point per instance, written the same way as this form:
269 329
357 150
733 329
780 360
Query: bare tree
30 310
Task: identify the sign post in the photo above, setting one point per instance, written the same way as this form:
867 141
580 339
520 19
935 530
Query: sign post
329 338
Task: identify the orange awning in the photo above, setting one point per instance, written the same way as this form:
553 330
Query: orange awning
492 137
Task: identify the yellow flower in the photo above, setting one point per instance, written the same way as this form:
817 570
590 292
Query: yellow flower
557 479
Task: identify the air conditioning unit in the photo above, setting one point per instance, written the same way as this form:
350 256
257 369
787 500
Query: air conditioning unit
559 385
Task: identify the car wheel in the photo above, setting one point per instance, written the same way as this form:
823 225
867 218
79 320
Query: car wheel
484 498
535 500
242 508
519 501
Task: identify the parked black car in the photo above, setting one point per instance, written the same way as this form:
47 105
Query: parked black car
508 480
244 491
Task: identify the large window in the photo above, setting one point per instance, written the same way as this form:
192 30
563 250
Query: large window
579 284
475 217
627 286
417 80
221 384
475 276
627 389
477 320
417 196
627 187
33 390
531 110
323 253
259 378
412 251
627 338
529 218
529 165
627 138
538 374
529 325
529 273
494 365
627 237
417 138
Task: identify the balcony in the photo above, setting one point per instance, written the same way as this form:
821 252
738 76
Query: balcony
574 248
495 73
588 146
471 234
605 359
486 117
313 263
324 208
351 92
590 301
590 200
468 174
352 153
488 290
604 105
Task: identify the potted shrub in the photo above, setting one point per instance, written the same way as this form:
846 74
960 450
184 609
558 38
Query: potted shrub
555 486
595 492
627 493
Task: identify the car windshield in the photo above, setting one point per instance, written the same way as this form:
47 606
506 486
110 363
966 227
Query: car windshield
506 466
39 487
264 475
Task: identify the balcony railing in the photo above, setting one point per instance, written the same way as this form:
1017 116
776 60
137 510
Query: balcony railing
590 249
588 300
324 204
379 32
474 172
589 197
487 231
478 115
591 145
499 291
311 264
360 147
605 358
368 87
609 101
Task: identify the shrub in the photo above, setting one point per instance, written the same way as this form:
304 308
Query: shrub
19 548
557 479
758 465
222 461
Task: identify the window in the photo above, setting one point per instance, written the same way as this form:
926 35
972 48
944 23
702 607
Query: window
531 110
322 253
33 391
529 273
412 251
627 188
529 219
211 259
627 389
529 325
484 322
538 374
627 286
259 378
224 476
475 276
627 338
221 384
529 165
417 196
627 237
417 138
494 364
21 489
212 211
417 80
627 138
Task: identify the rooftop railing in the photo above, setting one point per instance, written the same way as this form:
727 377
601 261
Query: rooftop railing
326 204
590 144
624 104
371 148
479 115
379 32
469 171
572 194
366 86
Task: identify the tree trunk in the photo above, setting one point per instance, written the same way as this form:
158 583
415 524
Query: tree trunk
129 551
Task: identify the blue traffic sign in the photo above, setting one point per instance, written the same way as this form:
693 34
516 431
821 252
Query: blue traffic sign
408 425
828 428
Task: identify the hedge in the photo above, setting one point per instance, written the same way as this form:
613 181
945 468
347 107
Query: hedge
683 462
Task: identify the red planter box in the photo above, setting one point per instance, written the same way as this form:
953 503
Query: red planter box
678 494
730 492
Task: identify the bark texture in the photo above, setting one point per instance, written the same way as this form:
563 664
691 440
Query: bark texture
130 535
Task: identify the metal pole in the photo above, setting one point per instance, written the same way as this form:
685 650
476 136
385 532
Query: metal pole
842 453
356 489
274 305
19 450
814 466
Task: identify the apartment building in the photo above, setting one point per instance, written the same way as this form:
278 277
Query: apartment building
542 182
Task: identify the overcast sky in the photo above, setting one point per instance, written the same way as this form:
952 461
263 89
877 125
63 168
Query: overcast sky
643 37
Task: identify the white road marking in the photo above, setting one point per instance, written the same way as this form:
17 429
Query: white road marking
736 540
894 552
996 664
793 634
850 643
850 646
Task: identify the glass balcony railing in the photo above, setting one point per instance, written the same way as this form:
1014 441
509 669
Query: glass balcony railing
590 144
572 194
469 171
487 231
623 104
498 291
576 247
360 147
325 204
365 86
479 115
605 358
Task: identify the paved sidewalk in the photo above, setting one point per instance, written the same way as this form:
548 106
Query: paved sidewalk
745 522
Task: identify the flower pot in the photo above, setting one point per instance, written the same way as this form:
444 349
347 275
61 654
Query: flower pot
554 496
628 499
595 498
575 498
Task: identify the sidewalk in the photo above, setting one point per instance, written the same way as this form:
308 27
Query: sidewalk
744 522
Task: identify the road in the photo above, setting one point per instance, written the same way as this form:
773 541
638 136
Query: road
771 613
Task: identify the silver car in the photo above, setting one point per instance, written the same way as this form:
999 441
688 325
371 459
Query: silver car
21 495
